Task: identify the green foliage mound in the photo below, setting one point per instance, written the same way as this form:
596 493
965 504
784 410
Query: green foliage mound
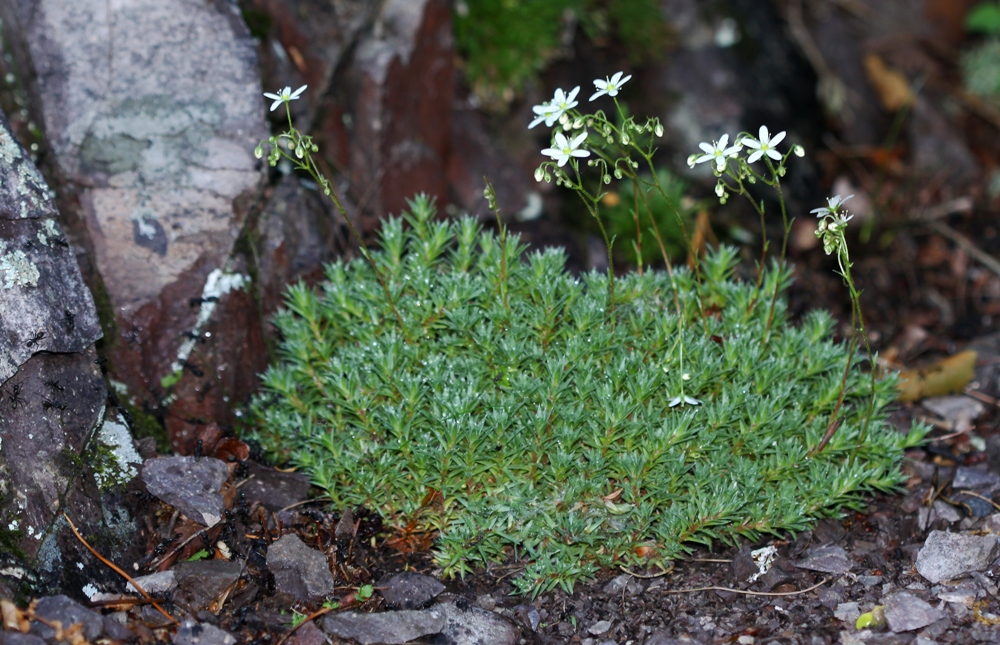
539 419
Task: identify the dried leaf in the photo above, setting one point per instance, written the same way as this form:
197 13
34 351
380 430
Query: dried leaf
947 376
892 87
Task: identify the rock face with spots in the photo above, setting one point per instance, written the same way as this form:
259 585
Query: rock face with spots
152 111
61 448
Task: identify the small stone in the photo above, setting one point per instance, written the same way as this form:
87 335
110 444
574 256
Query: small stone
200 582
966 594
527 614
623 584
470 625
409 590
831 558
486 601
600 627
905 612
190 485
274 489
299 571
660 637
192 632
980 507
389 628
975 477
70 612
949 555
870 581
847 612
154 583
308 634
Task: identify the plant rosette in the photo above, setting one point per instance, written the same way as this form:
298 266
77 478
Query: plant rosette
553 432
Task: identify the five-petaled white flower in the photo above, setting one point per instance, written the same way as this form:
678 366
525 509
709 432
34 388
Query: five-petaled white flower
284 96
559 105
677 400
566 148
833 206
718 152
609 86
764 145
542 113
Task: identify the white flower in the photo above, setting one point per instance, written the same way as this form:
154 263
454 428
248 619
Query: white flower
765 145
833 206
566 148
558 106
718 152
677 400
609 86
542 113
284 96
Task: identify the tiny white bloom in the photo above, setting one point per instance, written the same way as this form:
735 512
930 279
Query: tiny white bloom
677 400
832 207
542 113
566 148
560 104
284 96
764 145
609 86
718 152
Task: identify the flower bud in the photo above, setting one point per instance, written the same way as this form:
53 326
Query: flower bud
799 151
578 123
691 160
625 139
258 151
618 173
658 130
607 179
299 152
720 190
539 174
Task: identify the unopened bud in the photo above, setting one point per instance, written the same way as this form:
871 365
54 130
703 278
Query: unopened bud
258 151
799 151
618 173
539 174
658 130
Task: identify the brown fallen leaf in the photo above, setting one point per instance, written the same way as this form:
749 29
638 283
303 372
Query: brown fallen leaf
892 87
947 376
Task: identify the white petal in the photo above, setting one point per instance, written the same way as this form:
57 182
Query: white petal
572 95
755 156
575 143
614 79
750 142
777 138
774 154
707 147
561 140
536 121
704 158
763 134
274 106
597 94
580 153
624 80
272 96
723 140
296 93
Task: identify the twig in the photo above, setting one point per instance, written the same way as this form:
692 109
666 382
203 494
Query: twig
120 572
983 258
985 499
180 546
739 591
979 396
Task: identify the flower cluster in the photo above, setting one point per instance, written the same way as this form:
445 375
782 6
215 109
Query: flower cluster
833 222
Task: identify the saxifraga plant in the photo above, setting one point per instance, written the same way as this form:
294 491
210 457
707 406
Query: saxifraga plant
569 422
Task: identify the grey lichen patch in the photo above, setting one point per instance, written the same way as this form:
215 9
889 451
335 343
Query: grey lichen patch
29 182
47 231
16 270
116 458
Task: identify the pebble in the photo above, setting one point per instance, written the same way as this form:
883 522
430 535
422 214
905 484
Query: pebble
300 572
410 590
600 627
949 555
905 612
831 558
190 485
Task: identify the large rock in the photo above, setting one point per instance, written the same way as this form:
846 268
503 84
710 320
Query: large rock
152 120
61 448
400 91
